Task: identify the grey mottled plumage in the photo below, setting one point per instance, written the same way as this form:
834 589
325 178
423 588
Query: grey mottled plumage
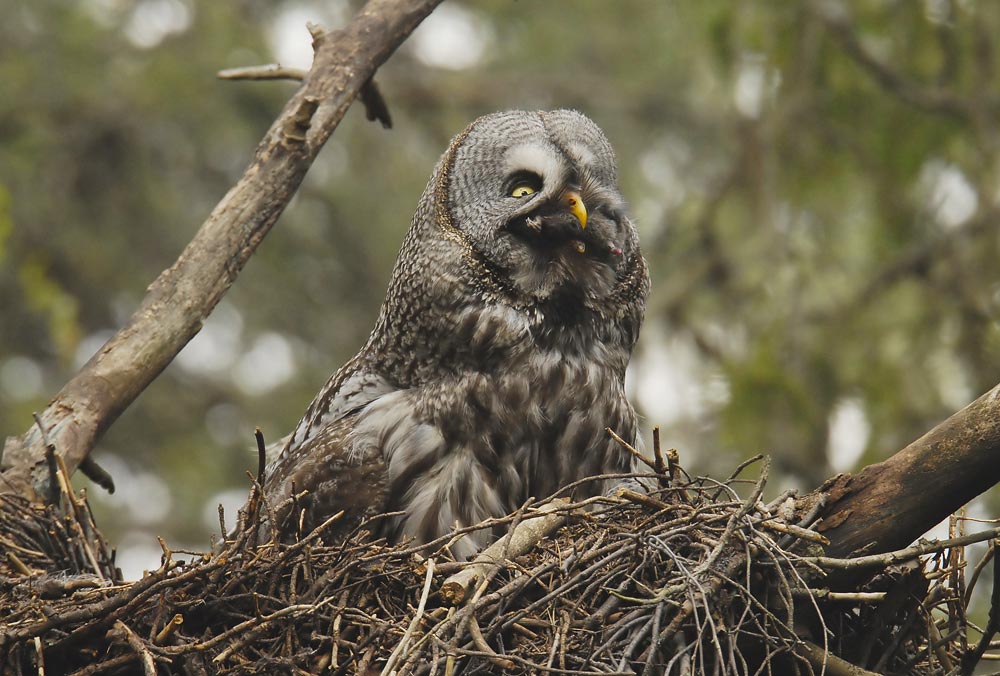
499 355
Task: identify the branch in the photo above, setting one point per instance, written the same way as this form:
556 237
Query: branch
375 106
518 541
931 99
272 71
826 662
890 504
182 296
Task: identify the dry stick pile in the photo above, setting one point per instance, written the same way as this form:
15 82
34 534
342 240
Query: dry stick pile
687 578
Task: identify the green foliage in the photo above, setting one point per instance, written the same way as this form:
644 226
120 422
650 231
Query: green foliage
6 225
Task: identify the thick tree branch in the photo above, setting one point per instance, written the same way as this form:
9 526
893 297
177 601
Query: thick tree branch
888 505
183 296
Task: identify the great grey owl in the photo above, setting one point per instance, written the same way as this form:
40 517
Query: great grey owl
498 358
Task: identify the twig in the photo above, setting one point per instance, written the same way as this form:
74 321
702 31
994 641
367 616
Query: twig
404 642
972 658
842 597
631 449
145 657
271 71
249 629
660 466
168 629
261 455
828 663
17 563
900 555
41 656
978 570
50 462
793 530
477 638
642 499
519 541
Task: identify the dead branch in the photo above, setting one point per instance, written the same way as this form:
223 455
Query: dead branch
888 505
525 536
180 299
271 71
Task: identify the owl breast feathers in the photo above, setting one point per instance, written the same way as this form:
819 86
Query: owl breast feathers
498 358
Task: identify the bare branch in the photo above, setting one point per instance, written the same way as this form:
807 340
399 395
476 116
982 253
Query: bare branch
521 539
271 71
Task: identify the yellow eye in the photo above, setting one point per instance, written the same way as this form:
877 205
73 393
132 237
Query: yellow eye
522 190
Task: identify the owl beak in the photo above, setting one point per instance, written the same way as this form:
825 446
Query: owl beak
572 200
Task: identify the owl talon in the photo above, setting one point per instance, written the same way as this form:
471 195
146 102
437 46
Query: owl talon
534 223
615 249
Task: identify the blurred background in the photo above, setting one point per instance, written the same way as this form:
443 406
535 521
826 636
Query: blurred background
816 186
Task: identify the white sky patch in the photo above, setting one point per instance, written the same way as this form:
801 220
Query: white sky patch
267 364
226 425
953 384
137 553
938 11
976 509
752 85
215 349
153 20
849 431
290 39
650 216
89 346
663 173
103 12
452 37
231 501
289 35
142 495
950 196
667 167
670 383
20 378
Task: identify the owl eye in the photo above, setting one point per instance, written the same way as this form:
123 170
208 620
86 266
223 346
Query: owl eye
523 184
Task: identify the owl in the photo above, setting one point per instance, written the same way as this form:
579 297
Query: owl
498 357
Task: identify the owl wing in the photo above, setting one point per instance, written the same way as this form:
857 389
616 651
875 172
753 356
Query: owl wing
348 391
336 478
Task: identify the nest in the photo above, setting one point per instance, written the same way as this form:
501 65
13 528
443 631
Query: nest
692 576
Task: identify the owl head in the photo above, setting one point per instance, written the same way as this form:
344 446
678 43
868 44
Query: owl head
534 196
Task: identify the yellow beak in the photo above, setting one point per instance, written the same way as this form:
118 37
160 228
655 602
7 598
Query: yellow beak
572 200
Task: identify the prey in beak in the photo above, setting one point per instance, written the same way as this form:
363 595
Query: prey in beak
562 221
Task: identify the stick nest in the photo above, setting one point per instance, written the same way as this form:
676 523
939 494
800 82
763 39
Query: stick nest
694 576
